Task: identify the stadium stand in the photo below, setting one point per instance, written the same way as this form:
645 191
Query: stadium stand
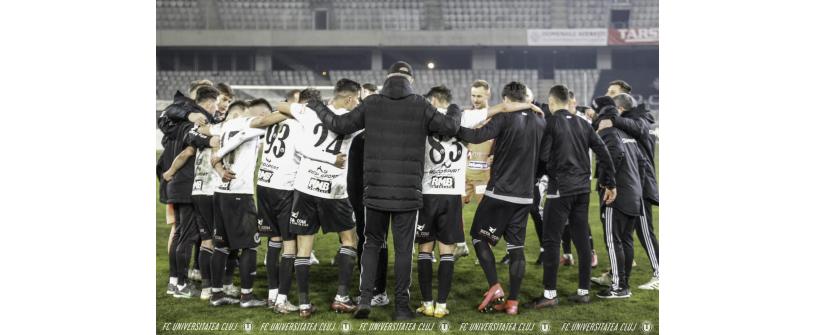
494 14
581 81
259 14
167 82
644 14
588 13
178 14
378 15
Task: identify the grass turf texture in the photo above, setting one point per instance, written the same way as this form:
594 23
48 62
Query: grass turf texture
469 284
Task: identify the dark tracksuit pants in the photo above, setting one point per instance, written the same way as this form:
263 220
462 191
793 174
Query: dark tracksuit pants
382 267
404 234
648 239
618 233
573 209
537 213
186 234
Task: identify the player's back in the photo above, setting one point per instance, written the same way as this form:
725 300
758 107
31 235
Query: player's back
242 160
516 154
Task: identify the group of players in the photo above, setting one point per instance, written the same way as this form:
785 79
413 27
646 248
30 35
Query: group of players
207 174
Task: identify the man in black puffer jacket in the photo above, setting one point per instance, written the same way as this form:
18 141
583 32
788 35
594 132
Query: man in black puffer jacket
396 123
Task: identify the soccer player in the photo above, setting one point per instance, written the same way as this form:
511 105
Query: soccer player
566 153
508 195
235 215
440 218
320 197
179 189
280 160
636 121
620 216
396 123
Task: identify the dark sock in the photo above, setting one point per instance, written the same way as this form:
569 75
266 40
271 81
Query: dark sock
182 262
347 258
231 264
218 262
426 275
517 267
487 260
272 255
173 270
446 262
301 269
286 269
249 261
205 261
196 252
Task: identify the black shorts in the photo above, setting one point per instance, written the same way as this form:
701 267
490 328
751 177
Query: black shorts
274 211
203 215
497 218
440 219
309 213
236 221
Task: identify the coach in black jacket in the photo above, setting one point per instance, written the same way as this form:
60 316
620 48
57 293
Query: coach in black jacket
396 123
568 139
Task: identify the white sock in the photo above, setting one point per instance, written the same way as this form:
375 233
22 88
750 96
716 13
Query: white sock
281 299
550 294
441 305
181 287
174 280
462 244
541 249
582 292
217 289
306 306
567 255
246 291
228 287
273 294
427 303
341 298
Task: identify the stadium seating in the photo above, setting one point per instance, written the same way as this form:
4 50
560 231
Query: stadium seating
588 13
178 14
379 15
581 81
260 14
644 14
167 82
495 14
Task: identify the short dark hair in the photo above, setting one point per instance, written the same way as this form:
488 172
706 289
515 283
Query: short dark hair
205 93
514 91
196 84
482 83
623 85
571 94
290 95
440 92
560 93
346 85
225 89
236 104
310 94
369 87
260 102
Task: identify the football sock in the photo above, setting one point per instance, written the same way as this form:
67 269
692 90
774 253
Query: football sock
218 262
286 270
205 261
426 275
272 262
231 264
248 265
301 269
446 262
346 260
487 260
517 267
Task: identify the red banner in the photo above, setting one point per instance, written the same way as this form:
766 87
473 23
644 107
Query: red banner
633 36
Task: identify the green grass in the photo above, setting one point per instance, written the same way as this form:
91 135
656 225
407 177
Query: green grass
468 285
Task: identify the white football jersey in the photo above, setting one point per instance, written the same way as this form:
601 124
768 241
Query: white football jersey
280 160
478 160
444 172
242 160
206 178
315 177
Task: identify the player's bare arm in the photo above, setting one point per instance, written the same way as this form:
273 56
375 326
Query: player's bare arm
268 120
178 162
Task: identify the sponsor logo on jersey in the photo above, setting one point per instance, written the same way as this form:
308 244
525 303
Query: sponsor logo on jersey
257 237
480 165
420 227
629 140
198 185
492 230
322 186
297 222
442 182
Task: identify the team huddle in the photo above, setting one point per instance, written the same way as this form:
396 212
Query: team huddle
370 159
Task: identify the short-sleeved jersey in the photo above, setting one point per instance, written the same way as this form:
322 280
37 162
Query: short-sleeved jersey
206 179
444 172
314 177
242 160
280 161
478 152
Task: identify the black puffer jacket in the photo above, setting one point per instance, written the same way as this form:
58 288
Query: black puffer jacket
637 124
396 124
